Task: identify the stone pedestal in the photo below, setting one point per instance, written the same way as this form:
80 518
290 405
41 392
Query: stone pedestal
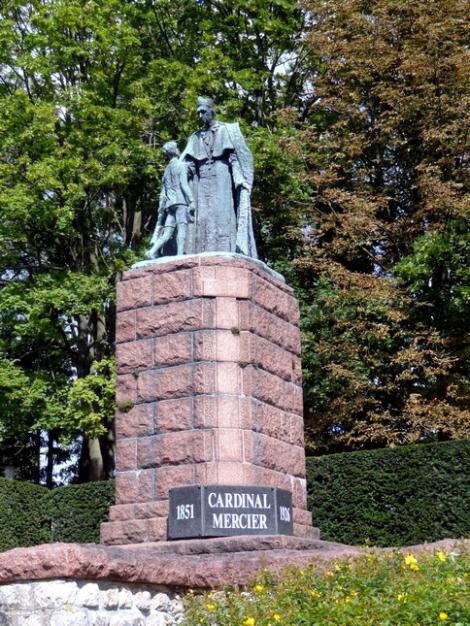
208 390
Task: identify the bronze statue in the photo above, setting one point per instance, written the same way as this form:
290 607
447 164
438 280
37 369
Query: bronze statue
176 205
221 167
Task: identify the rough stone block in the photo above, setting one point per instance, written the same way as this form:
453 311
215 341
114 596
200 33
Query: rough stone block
138 421
228 444
180 447
172 286
173 349
118 533
222 282
120 512
301 516
174 318
126 389
229 376
172 476
226 313
125 326
157 529
146 510
126 454
135 486
299 492
176 382
271 389
269 326
174 415
273 299
279 456
135 355
135 293
270 357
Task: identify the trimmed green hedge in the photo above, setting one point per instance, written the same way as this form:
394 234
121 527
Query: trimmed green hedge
392 497
23 514
76 511
31 514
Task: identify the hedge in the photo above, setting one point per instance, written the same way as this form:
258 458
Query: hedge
31 514
392 497
23 514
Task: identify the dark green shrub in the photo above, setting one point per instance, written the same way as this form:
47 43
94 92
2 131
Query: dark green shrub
76 511
392 497
31 514
24 519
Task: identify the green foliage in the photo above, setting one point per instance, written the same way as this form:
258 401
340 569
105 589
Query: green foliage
31 514
76 511
383 277
89 91
23 514
399 496
375 590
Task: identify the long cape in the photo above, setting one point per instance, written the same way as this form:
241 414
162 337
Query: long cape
245 240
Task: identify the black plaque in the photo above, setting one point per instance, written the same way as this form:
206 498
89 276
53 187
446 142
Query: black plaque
221 511
285 521
184 519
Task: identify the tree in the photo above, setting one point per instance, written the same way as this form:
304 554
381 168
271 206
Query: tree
87 89
387 249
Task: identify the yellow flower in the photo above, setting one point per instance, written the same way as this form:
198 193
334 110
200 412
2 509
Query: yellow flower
259 588
250 621
414 567
210 607
401 597
441 556
276 617
443 616
328 574
314 593
410 560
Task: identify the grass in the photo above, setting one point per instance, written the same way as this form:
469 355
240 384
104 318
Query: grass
379 589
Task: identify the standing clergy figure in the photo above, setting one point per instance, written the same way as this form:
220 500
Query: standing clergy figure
221 165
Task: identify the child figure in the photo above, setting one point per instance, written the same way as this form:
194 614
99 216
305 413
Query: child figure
176 204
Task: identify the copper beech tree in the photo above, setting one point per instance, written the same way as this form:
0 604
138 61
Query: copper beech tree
386 308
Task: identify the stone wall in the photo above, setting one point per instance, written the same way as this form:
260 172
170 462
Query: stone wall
82 603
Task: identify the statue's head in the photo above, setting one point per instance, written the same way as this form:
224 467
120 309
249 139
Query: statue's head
205 110
170 149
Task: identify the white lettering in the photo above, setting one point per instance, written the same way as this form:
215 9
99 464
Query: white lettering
284 514
217 520
262 520
229 501
210 499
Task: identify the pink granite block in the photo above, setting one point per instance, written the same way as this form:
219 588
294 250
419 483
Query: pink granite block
146 510
174 318
120 512
157 529
173 349
226 313
228 444
126 454
121 533
135 293
205 412
174 415
172 476
126 389
219 281
172 286
269 326
134 355
135 422
125 326
229 377
280 456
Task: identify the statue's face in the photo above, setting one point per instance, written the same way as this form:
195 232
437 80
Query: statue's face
205 114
